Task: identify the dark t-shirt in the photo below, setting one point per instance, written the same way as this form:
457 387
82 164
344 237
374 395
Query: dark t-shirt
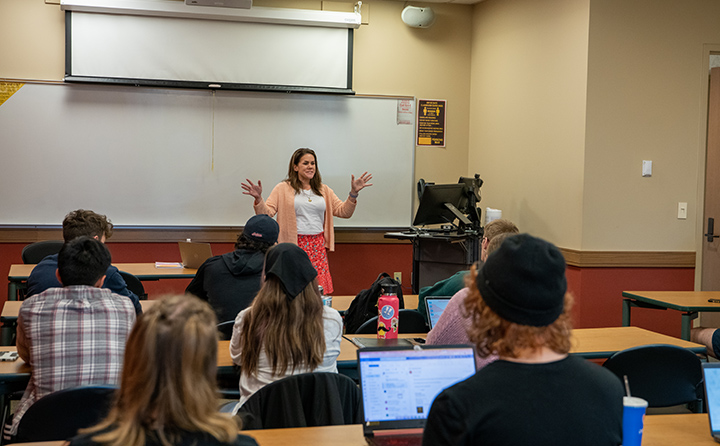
188 439
566 402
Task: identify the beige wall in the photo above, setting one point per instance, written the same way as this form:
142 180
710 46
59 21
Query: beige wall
527 131
646 88
390 59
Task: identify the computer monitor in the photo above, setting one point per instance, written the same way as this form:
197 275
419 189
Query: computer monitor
439 204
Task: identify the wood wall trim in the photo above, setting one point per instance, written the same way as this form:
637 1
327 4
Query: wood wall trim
228 234
224 234
629 259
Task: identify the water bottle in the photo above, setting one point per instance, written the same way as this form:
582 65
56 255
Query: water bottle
326 300
388 312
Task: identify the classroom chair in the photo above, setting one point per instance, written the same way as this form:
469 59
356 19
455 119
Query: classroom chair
664 375
225 330
35 252
134 284
308 399
59 415
411 321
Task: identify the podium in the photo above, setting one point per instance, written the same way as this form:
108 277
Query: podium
438 255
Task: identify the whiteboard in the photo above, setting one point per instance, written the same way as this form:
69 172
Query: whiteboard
165 157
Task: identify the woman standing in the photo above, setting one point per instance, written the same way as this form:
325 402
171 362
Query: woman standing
280 334
167 393
305 208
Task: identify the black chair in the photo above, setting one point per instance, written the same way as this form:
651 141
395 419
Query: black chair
35 252
225 330
664 375
134 284
59 415
410 321
309 399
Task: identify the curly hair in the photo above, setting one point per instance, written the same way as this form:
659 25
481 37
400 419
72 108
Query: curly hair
85 222
494 335
244 242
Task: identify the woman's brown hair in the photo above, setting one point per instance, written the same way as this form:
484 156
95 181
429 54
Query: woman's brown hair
168 379
290 330
494 335
294 180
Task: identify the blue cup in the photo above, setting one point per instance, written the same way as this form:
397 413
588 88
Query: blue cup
633 417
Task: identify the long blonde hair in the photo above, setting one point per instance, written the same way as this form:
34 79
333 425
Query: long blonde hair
290 330
168 380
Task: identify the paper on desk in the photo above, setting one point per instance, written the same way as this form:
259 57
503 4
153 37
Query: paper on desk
168 265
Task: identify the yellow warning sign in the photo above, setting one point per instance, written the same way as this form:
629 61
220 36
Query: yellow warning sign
431 123
8 89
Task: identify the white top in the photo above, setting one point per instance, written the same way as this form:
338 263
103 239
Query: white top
309 212
332 325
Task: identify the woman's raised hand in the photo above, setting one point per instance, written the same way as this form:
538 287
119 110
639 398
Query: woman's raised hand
254 190
356 185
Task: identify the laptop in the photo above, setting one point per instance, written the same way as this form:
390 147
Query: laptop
399 384
434 306
194 254
711 373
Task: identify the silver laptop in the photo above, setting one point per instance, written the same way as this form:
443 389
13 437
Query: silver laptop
711 373
434 306
399 384
194 254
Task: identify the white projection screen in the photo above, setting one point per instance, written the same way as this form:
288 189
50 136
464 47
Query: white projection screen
199 53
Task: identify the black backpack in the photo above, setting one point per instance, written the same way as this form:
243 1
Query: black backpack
364 306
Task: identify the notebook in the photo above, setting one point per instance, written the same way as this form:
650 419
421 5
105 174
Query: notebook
194 254
711 372
399 384
435 305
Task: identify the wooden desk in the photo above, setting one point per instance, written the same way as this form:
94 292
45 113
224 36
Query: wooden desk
596 343
659 430
342 303
143 271
690 303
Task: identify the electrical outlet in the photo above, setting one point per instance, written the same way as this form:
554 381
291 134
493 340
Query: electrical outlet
397 275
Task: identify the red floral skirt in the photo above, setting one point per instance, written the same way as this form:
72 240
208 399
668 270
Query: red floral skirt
314 246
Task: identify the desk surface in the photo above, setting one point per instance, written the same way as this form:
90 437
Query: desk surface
143 271
659 430
590 343
11 308
677 300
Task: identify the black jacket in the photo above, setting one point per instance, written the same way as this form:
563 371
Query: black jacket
229 282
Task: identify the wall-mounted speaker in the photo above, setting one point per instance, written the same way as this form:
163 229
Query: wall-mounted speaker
418 17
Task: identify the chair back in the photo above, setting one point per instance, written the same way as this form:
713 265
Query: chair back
308 399
134 284
59 415
35 252
225 329
410 321
664 375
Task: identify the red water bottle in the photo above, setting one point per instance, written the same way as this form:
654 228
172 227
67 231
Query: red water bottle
388 313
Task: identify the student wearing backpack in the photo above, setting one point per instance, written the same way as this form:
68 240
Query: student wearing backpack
305 208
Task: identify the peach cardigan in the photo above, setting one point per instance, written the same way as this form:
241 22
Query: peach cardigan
282 202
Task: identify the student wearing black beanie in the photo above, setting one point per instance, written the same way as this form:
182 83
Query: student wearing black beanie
535 393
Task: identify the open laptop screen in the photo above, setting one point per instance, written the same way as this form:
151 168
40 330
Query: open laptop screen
435 305
711 371
399 384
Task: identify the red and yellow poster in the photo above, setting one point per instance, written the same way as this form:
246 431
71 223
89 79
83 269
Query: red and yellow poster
431 123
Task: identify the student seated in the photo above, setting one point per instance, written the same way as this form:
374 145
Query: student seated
80 223
287 330
456 282
74 335
167 393
709 337
229 282
535 393
453 325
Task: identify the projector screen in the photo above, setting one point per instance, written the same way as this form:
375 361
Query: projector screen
197 53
